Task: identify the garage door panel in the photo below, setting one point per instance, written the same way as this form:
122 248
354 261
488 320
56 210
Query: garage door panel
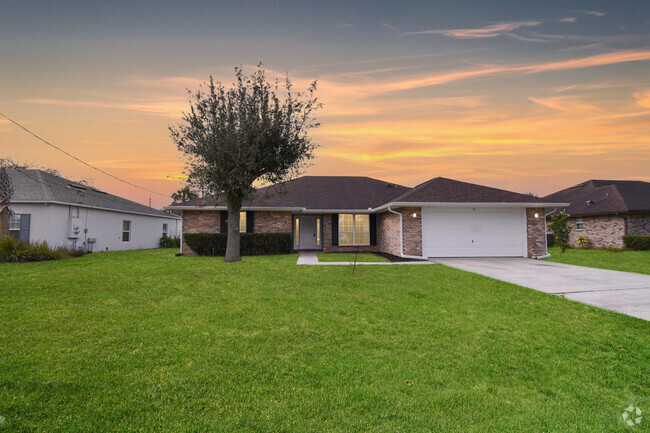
469 232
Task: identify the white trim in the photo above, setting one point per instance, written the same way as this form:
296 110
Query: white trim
468 204
85 206
401 237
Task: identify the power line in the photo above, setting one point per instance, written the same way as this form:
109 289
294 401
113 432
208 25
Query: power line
80 160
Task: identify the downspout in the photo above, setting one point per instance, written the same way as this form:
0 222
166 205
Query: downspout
181 242
401 237
547 255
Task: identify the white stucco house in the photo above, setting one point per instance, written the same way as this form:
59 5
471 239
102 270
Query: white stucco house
50 208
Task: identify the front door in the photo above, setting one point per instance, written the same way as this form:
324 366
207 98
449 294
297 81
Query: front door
307 232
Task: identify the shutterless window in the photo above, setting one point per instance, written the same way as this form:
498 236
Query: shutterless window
580 225
164 230
354 229
242 222
126 231
74 211
14 225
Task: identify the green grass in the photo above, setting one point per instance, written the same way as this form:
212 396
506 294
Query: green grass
144 341
350 257
628 261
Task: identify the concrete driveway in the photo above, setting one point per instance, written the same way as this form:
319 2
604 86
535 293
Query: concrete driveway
624 292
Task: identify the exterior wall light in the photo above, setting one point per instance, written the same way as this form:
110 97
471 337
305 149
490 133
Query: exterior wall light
536 215
415 215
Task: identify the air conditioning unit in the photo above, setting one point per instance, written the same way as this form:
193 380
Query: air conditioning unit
75 228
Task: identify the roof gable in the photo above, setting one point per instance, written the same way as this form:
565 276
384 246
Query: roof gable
443 190
42 187
605 196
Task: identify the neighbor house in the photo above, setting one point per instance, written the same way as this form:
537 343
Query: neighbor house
603 211
438 218
50 208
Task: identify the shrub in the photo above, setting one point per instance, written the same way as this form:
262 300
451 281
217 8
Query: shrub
15 250
251 244
637 242
167 242
561 229
582 241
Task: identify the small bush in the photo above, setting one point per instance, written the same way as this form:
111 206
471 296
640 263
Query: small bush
15 250
582 241
251 244
167 242
637 242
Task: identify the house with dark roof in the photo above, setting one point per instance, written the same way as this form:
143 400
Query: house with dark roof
46 207
604 211
438 218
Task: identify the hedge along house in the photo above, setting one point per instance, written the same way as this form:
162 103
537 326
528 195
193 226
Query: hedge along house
439 218
61 212
603 211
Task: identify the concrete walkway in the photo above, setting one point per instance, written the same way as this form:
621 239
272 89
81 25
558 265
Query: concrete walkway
624 292
311 258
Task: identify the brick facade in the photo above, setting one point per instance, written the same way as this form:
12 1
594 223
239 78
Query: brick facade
327 240
638 223
535 233
412 234
272 222
388 231
601 231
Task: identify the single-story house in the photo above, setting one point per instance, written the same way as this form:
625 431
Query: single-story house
438 218
604 211
50 208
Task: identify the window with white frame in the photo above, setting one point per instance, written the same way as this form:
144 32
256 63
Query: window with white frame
126 231
354 229
242 222
580 224
164 234
74 211
14 225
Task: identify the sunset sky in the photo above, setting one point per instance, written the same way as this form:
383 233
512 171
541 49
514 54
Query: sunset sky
524 95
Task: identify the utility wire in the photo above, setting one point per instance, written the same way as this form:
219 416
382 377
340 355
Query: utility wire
80 160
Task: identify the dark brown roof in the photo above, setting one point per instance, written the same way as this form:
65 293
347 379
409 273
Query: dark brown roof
442 190
319 192
605 196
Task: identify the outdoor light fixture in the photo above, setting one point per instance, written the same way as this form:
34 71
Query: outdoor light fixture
415 215
536 215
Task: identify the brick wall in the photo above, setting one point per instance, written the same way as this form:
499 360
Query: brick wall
388 231
638 223
535 232
412 230
600 230
327 240
272 222
209 221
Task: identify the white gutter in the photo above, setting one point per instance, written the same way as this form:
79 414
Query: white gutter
85 206
547 255
401 237
468 204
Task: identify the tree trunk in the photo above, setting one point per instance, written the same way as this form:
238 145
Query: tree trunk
4 221
232 246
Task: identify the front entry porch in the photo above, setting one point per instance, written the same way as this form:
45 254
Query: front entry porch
307 232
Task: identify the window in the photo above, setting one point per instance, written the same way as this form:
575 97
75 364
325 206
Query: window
14 225
74 211
318 231
354 229
242 222
580 225
126 231
164 231
297 233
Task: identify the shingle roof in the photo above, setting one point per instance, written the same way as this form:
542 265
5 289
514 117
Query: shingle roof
362 193
443 190
605 196
40 187
317 192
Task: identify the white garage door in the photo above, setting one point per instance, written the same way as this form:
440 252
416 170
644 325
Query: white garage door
469 232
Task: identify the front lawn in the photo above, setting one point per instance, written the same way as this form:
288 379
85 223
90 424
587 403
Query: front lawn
144 341
628 261
350 257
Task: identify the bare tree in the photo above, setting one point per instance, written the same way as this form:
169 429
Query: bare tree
256 131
